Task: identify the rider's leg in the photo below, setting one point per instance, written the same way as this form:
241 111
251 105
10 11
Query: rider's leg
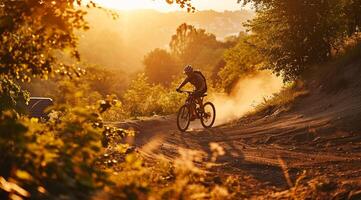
198 98
200 102
193 112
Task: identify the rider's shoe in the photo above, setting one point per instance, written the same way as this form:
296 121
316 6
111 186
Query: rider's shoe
193 117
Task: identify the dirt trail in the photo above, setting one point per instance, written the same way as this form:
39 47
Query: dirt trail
320 134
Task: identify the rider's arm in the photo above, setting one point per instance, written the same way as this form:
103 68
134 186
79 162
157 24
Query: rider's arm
183 83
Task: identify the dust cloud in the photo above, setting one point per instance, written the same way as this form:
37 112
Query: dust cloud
247 93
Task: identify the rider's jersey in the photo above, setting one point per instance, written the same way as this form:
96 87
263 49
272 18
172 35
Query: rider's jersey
198 80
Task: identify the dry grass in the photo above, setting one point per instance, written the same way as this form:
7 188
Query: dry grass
281 101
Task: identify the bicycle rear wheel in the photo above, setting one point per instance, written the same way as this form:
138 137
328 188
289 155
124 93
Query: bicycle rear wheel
183 118
209 115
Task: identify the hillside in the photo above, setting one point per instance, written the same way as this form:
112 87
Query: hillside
122 43
310 149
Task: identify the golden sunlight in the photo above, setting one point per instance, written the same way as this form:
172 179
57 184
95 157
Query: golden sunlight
161 5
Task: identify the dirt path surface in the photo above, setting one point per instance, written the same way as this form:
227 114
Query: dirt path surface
320 134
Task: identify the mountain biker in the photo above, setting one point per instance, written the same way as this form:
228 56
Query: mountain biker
197 79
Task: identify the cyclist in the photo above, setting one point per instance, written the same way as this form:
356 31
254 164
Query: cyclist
197 79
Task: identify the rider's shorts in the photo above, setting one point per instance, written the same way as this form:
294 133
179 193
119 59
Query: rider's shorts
199 93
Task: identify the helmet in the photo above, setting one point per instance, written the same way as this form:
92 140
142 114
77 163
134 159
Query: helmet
188 69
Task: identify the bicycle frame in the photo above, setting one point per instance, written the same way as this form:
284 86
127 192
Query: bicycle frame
191 101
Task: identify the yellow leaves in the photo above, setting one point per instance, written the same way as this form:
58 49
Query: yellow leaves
41 189
14 189
78 94
34 120
117 103
45 77
122 148
133 161
24 175
130 133
219 193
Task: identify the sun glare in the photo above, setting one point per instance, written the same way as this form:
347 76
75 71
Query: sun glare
160 5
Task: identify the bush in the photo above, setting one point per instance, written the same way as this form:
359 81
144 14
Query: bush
53 159
145 99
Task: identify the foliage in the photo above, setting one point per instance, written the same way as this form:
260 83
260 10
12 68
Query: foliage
109 46
197 47
56 159
240 61
95 84
74 93
352 12
106 81
45 159
293 35
163 180
183 4
188 46
11 95
144 99
160 67
52 159
31 31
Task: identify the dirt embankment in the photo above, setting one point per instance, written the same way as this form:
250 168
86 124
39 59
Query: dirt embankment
320 134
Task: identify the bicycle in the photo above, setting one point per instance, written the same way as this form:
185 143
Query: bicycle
207 114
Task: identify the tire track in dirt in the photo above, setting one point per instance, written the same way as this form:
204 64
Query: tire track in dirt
260 147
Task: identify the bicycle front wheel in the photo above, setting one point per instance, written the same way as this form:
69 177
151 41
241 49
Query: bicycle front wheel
209 115
183 118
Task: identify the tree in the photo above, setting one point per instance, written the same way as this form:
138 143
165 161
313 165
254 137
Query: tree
352 10
295 34
240 61
33 31
196 46
160 67
58 158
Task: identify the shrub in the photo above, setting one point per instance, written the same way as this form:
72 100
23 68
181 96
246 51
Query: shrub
145 99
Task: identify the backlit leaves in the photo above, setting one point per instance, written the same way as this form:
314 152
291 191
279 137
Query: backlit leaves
292 35
183 4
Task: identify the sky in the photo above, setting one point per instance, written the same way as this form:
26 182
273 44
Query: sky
161 5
